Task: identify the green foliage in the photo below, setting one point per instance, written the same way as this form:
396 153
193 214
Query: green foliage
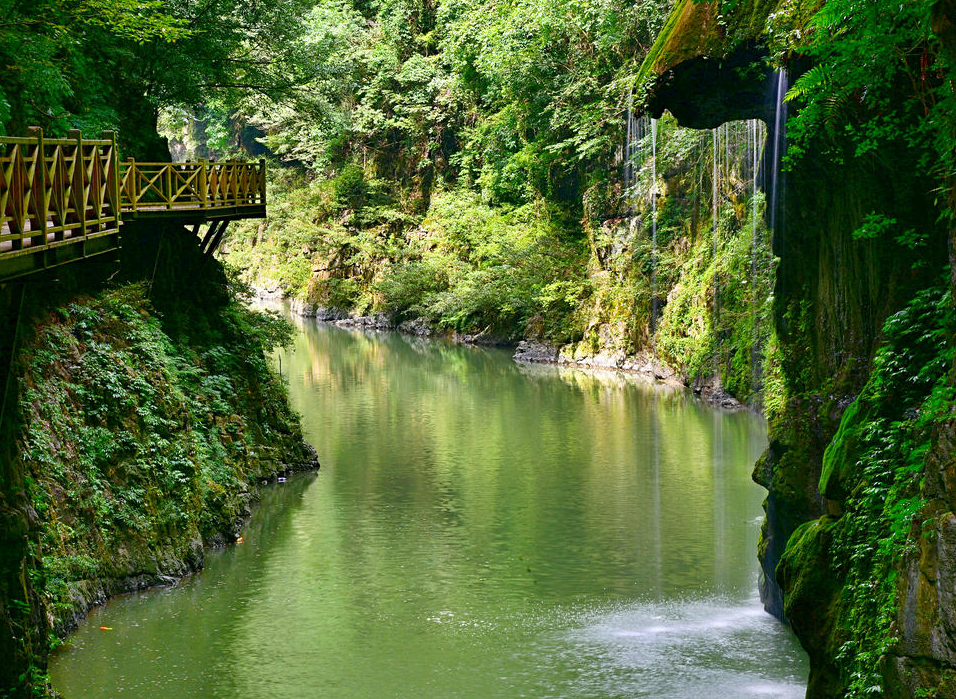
521 99
465 266
348 188
881 78
500 266
98 64
874 226
718 317
281 252
875 466
142 437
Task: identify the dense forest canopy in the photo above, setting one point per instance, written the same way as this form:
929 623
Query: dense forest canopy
112 64
512 95
518 98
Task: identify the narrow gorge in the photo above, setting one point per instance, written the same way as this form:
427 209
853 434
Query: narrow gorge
650 263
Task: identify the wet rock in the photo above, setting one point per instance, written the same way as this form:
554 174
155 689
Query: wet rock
710 389
642 363
378 321
307 309
329 315
534 351
811 581
602 360
418 327
480 339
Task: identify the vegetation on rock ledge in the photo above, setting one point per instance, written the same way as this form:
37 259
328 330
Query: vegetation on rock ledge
147 435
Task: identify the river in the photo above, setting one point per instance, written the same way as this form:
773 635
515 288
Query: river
479 529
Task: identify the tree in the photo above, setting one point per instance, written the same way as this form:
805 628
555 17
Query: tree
95 64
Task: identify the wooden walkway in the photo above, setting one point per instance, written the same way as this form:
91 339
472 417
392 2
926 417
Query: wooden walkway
63 200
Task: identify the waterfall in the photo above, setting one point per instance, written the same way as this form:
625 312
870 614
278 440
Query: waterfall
779 135
716 149
628 144
740 155
714 234
755 129
755 288
637 129
653 190
635 133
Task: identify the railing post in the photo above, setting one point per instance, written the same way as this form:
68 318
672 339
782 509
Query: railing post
203 189
11 202
169 185
262 180
38 190
132 185
210 183
79 179
113 174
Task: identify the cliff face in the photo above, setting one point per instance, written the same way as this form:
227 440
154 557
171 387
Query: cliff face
147 418
684 299
857 544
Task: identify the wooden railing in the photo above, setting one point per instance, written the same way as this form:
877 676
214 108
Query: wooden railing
54 191
64 199
197 185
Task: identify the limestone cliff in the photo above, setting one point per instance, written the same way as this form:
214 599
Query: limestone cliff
857 544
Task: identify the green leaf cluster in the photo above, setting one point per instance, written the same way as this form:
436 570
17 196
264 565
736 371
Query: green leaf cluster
144 437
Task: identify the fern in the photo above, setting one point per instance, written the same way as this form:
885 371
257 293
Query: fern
813 82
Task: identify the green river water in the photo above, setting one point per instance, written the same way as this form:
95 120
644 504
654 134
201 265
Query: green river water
479 529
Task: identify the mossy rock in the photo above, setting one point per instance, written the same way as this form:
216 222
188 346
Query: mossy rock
841 455
717 28
811 580
804 571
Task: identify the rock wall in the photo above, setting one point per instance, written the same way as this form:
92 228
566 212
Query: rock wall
857 543
143 418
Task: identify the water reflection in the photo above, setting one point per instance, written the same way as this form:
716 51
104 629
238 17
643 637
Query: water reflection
478 529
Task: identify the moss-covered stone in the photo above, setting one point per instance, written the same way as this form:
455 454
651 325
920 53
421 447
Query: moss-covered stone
717 29
148 417
811 577
841 455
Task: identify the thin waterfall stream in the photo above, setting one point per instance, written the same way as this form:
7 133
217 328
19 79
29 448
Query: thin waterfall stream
654 195
779 135
755 142
715 236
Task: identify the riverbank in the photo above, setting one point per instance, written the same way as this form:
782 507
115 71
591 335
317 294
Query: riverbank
147 423
528 351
